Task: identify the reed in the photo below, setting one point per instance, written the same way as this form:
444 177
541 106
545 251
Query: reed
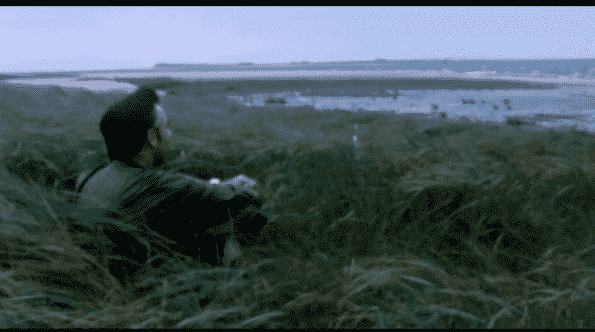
437 225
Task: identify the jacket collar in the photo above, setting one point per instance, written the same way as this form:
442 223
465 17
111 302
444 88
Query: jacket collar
134 163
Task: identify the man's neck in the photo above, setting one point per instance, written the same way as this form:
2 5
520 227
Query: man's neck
136 163
143 159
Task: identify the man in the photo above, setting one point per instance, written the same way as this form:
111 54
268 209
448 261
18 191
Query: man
179 207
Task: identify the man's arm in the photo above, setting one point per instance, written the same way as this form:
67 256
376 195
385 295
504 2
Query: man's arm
164 190
183 208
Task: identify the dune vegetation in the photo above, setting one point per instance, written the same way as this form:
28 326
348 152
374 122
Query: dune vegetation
427 224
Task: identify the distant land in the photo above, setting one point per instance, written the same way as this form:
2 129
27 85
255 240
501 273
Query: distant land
548 67
544 67
8 77
50 75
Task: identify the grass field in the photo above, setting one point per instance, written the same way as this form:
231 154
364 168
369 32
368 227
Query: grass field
433 225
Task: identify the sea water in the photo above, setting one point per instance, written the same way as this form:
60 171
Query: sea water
100 86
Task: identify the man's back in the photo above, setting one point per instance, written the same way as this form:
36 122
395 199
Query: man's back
179 207
101 190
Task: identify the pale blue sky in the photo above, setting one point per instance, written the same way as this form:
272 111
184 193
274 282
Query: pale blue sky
87 38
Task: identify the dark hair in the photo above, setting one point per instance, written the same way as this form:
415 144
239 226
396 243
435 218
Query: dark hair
124 124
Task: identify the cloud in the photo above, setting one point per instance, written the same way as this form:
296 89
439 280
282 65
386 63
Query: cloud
507 22
84 62
564 48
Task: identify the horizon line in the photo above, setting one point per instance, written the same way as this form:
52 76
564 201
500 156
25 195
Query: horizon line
282 63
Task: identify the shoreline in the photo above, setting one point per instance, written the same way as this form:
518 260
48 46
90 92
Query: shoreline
322 74
355 75
221 88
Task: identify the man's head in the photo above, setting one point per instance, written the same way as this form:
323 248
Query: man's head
137 127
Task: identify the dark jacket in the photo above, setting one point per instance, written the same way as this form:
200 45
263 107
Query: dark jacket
192 212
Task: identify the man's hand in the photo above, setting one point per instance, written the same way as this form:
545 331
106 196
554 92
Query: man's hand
243 182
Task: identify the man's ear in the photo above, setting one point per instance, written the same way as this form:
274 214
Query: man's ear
152 136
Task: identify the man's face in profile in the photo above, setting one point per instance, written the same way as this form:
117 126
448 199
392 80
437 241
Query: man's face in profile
165 150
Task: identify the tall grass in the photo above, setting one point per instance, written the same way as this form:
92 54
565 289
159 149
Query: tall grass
439 225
